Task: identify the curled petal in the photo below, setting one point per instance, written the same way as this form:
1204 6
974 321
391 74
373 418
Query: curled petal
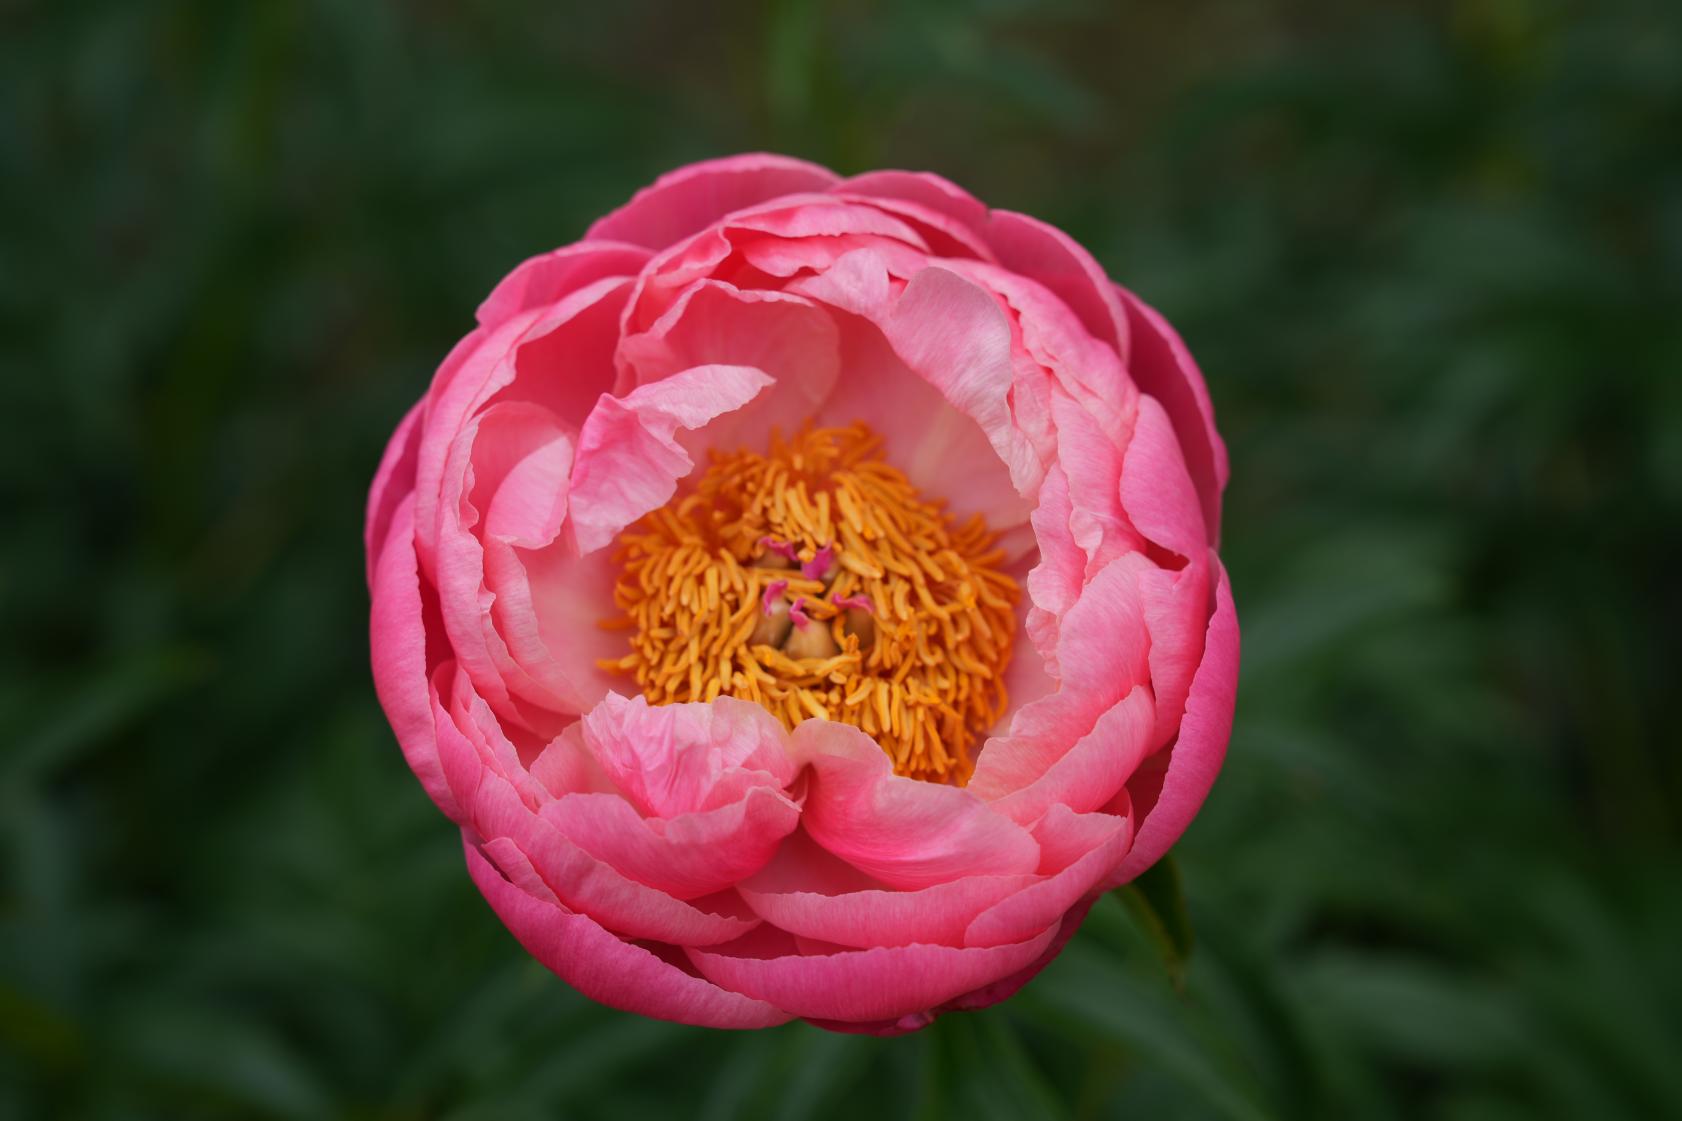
685 201
606 968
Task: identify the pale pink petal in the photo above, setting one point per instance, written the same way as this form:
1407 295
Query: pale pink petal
791 339
1162 367
952 333
1084 775
882 983
687 200
905 833
628 461
687 758
607 969
1195 758
1177 608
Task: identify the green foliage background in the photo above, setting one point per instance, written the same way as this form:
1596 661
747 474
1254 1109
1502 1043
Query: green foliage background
1429 254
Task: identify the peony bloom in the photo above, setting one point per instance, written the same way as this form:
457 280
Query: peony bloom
802 594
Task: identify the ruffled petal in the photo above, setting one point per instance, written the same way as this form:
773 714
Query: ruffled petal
628 460
905 833
607 969
1195 758
882 983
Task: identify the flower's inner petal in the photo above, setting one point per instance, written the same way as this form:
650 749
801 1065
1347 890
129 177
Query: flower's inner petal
816 581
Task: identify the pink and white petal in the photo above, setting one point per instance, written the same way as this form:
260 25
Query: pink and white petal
883 983
905 833
1195 758
607 969
1161 366
398 642
1088 847
683 202
687 856
628 460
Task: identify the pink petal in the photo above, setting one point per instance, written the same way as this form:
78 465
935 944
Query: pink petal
687 758
1196 756
1089 848
905 833
1162 367
808 892
685 201
1156 491
628 462
607 969
544 279
398 645
886 982
393 484
1048 255
687 856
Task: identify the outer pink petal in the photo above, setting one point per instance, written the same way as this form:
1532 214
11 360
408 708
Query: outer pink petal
1196 756
1104 839
397 641
1162 367
687 856
924 189
607 969
583 884
542 280
683 202
905 833
810 893
1044 253
1156 491
628 461
866 985
394 482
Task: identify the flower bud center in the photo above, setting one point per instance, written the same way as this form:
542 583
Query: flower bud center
814 580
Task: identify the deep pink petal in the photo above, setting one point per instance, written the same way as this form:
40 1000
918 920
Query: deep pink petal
1089 847
398 643
607 969
1156 491
1048 255
394 483
1195 758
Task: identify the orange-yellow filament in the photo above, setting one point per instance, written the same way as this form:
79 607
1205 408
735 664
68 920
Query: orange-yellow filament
920 669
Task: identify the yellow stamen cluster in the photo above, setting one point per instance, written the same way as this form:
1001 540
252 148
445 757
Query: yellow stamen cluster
918 664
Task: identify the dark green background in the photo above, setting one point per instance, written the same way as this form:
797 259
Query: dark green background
1430 257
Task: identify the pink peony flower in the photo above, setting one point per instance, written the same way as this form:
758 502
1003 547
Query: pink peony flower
802 594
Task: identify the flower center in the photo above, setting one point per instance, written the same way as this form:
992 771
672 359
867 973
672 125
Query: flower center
815 581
